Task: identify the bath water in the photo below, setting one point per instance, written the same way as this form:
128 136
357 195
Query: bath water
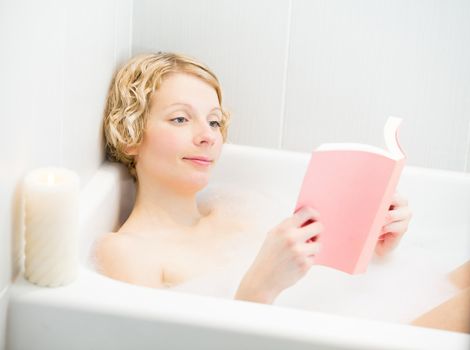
397 288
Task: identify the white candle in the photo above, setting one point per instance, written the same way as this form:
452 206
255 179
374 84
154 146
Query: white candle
51 226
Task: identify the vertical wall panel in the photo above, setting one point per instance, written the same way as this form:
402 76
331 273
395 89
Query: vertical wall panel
353 63
89 63
31 50
123 31
56 63
244 42
467 163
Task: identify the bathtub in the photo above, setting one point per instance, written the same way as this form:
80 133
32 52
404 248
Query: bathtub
95 312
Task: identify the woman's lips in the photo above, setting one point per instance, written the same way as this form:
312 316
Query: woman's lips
199 161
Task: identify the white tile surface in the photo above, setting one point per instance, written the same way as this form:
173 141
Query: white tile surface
3 313
351 64
5 255
467 164
123 31
47 40
89 64
56 63
18 114
244 42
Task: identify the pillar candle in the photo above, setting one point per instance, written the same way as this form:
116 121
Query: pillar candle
51 226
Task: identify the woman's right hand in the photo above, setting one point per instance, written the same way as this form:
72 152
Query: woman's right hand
286 255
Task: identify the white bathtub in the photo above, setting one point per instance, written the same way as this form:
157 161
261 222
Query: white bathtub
96 312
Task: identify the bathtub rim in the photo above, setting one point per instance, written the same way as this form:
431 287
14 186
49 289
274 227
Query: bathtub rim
241 317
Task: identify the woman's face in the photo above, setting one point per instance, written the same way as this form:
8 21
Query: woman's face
183 124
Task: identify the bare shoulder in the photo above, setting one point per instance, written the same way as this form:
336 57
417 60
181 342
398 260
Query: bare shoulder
112 245
119 256
112 253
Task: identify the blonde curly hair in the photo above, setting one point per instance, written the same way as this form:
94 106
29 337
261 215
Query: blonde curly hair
128 100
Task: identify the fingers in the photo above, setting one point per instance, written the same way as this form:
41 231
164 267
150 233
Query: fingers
304 215
313 249
398 200
311 252
398 227
403 213
400 214
307 252
311 231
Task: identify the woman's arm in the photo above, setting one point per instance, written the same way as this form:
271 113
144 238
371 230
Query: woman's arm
285 257
251 290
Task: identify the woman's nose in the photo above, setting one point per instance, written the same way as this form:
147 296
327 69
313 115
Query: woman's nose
204 134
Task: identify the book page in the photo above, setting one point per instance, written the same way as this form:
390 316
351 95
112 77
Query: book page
393 150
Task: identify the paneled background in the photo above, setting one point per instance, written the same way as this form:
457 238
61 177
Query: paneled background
56 62
295 73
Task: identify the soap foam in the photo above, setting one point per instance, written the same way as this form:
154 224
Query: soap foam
398 288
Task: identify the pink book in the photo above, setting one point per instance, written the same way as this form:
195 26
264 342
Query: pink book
351 185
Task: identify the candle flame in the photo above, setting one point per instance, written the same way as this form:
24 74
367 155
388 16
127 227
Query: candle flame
50 179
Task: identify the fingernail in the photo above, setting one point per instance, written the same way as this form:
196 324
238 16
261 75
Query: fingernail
299 210
305 211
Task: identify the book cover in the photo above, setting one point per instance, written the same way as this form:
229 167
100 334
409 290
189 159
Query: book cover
351 185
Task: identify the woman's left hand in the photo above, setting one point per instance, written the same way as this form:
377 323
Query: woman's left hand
397 221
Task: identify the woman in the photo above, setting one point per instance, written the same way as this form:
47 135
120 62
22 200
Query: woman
165 121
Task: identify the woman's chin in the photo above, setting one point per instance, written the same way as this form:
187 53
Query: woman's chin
194 185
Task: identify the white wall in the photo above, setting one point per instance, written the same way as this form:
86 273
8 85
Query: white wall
297 73
57 59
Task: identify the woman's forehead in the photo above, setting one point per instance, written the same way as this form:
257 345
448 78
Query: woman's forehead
185 90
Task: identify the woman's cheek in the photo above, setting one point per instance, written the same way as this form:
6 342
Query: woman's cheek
167 144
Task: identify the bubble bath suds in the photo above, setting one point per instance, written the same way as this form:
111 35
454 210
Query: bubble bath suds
398 288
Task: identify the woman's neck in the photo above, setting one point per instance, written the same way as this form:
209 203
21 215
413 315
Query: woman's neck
162 207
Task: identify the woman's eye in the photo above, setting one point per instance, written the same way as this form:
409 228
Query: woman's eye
216 123
179 120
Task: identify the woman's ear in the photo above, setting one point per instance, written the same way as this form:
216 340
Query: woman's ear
131 150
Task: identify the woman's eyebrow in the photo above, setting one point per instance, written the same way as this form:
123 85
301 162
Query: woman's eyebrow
189 106
216 109
179 104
